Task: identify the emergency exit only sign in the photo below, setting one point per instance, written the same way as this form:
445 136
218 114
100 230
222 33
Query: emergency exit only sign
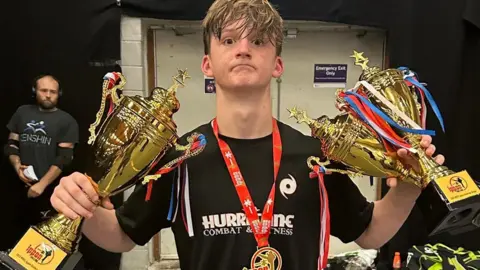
330 75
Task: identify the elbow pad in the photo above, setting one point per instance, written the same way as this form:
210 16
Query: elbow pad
64 157
11 148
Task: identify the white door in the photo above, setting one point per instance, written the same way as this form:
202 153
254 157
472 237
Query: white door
184 52
316 45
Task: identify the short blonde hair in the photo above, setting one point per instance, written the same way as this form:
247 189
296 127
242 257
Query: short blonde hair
258 15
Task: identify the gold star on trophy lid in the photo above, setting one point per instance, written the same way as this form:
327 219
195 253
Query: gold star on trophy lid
362 61
181 76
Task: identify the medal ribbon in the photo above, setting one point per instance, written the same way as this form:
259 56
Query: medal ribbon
260 228
319 172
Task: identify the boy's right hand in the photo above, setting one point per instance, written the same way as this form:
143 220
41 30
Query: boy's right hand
75 196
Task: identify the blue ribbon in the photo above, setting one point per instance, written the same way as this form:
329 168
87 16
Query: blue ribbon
421 87
387 118
170 210
203 141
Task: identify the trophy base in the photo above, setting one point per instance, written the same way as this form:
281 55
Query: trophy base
35 252
451 204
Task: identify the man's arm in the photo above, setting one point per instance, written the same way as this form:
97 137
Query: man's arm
141 219
369 224
389 214
52 174
68 139
74 197
64 158
12 150
350 211
104 230
135 222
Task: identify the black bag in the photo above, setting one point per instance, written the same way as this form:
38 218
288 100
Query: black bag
439 256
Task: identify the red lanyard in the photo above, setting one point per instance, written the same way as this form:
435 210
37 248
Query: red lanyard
260 228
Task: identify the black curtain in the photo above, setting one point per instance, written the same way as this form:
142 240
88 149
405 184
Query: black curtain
34 43
360 12
78 42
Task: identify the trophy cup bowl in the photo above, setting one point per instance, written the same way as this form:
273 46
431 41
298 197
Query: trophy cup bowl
347 139
381 115
133 136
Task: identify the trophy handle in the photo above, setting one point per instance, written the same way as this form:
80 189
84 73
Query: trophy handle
196 144
109 92
113 92
315 161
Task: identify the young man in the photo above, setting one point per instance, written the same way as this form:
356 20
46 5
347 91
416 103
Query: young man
211 210
41 136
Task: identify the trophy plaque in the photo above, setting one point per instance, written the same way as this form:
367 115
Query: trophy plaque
127 141
384 112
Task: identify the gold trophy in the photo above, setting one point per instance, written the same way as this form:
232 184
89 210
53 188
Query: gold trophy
135 134
384 112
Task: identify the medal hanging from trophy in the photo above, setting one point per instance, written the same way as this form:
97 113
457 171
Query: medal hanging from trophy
265 257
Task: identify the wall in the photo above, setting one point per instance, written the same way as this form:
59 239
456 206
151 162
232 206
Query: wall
134 69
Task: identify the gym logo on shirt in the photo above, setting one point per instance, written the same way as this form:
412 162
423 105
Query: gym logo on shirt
288 186
36 127
35 133
236 223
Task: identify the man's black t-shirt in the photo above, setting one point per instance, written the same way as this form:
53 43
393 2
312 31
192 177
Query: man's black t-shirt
206 216
40 132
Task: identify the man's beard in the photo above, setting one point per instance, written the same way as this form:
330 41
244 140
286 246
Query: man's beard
47 105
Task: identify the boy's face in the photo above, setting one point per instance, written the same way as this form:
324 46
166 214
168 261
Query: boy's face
241 60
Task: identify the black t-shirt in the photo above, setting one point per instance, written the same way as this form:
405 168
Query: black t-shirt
40 132
208 222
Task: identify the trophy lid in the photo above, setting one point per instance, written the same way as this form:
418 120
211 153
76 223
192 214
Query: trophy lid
163 102
362 61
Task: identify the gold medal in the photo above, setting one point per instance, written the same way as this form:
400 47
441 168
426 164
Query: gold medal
266 258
